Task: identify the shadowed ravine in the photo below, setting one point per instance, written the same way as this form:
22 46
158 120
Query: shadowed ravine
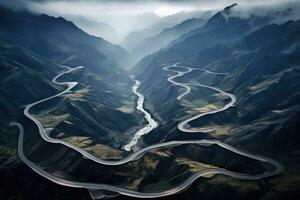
278 168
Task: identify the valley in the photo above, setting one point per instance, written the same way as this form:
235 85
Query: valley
278 168
151 122
200 103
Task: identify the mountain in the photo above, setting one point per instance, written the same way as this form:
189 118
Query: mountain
98 114
260 63
134 38
99 29
179 17
222 27
36 47
55 38
86 117
154 43
253 59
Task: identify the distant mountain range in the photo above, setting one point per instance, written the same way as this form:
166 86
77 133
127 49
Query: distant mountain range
103 30
136 37
160 34
154 43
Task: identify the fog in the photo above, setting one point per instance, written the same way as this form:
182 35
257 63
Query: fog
291 8
120 17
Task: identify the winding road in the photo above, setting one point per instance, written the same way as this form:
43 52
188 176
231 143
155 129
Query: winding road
278 168
182 186
183 126
70 85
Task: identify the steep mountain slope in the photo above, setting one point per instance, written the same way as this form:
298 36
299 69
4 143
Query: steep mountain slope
55 38
154 43
23 79
103 96
103 30
165 23
33 50
149 171
135 37
222 27
262 65
264 75
267 88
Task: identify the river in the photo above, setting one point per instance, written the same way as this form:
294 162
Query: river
151 122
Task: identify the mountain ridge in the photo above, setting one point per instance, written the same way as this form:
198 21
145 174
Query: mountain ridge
53 38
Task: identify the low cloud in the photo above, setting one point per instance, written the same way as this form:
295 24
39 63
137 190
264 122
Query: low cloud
129 15
286 11
142 4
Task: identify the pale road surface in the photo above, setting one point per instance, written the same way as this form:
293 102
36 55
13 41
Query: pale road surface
96 186
184 126
278 168
70 85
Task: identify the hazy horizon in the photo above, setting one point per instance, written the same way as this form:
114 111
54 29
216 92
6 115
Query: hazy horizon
128 15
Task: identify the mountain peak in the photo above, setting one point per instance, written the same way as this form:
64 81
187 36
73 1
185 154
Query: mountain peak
222 16
228 9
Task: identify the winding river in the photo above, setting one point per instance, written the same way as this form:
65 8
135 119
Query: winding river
151 122
183 126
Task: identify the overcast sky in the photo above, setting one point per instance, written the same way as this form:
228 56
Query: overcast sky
127 15
159 7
